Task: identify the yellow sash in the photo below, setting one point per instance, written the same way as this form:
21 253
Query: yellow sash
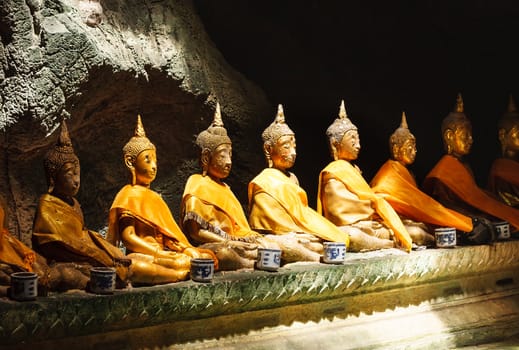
147 206
451 172
399 188
355 183
294 201
218 195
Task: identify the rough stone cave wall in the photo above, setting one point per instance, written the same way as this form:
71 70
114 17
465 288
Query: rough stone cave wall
152 58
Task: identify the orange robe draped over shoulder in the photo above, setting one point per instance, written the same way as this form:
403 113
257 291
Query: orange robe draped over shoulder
12 251
148 207
455 176
503 180
354 182
399 188
58 222
272 193
215 207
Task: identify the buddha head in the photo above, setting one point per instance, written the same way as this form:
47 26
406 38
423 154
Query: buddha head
216 149
140 157
62 167
508 131
343 137
457 131
402 144
279 143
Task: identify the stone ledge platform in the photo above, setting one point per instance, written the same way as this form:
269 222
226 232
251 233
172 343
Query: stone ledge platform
446 298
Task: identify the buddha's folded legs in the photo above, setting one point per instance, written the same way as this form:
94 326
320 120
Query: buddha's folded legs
373 228
361 241
144 270
296 247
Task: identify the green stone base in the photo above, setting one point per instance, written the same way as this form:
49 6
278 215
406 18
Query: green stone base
437 298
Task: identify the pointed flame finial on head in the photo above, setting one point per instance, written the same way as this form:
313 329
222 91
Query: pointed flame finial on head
139 128
64 137
57 156
215 135
277 128
342 111
340 125
280 116
403 123
459 104
139 142
217 116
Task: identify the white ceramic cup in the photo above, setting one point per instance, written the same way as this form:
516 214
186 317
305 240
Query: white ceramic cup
503 229
445 237
202 269
24 286
268 259
334 252
102 280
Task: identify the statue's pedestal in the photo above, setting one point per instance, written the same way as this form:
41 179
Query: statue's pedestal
441 298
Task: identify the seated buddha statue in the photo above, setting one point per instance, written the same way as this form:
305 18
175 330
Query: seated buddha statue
213 217
142 221
277 204
346 199
15 256
452 183
503 178
398 186
59 232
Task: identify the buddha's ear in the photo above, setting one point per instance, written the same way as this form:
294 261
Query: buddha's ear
205 158
448 134
128 161
334 148
267 150
501 135
51 185
448 137
394 151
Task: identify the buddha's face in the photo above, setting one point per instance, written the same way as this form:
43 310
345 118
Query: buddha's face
459 139
145 167
283 152
511 140
220 162
406 153
66 183
349 147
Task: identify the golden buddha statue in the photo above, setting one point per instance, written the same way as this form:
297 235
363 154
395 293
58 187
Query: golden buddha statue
347 200
59 232
398 186
16 256
503 178
142 221
212 215
277 203
452 183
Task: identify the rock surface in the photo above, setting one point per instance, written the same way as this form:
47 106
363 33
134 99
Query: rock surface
100 64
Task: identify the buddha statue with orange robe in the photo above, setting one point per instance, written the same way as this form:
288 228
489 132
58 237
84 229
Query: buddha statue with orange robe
452 183
212 215
277 204
142 221
398 186
503 178
15 256
59 232
346 199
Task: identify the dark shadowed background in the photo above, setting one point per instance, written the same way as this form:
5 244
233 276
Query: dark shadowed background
381 57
